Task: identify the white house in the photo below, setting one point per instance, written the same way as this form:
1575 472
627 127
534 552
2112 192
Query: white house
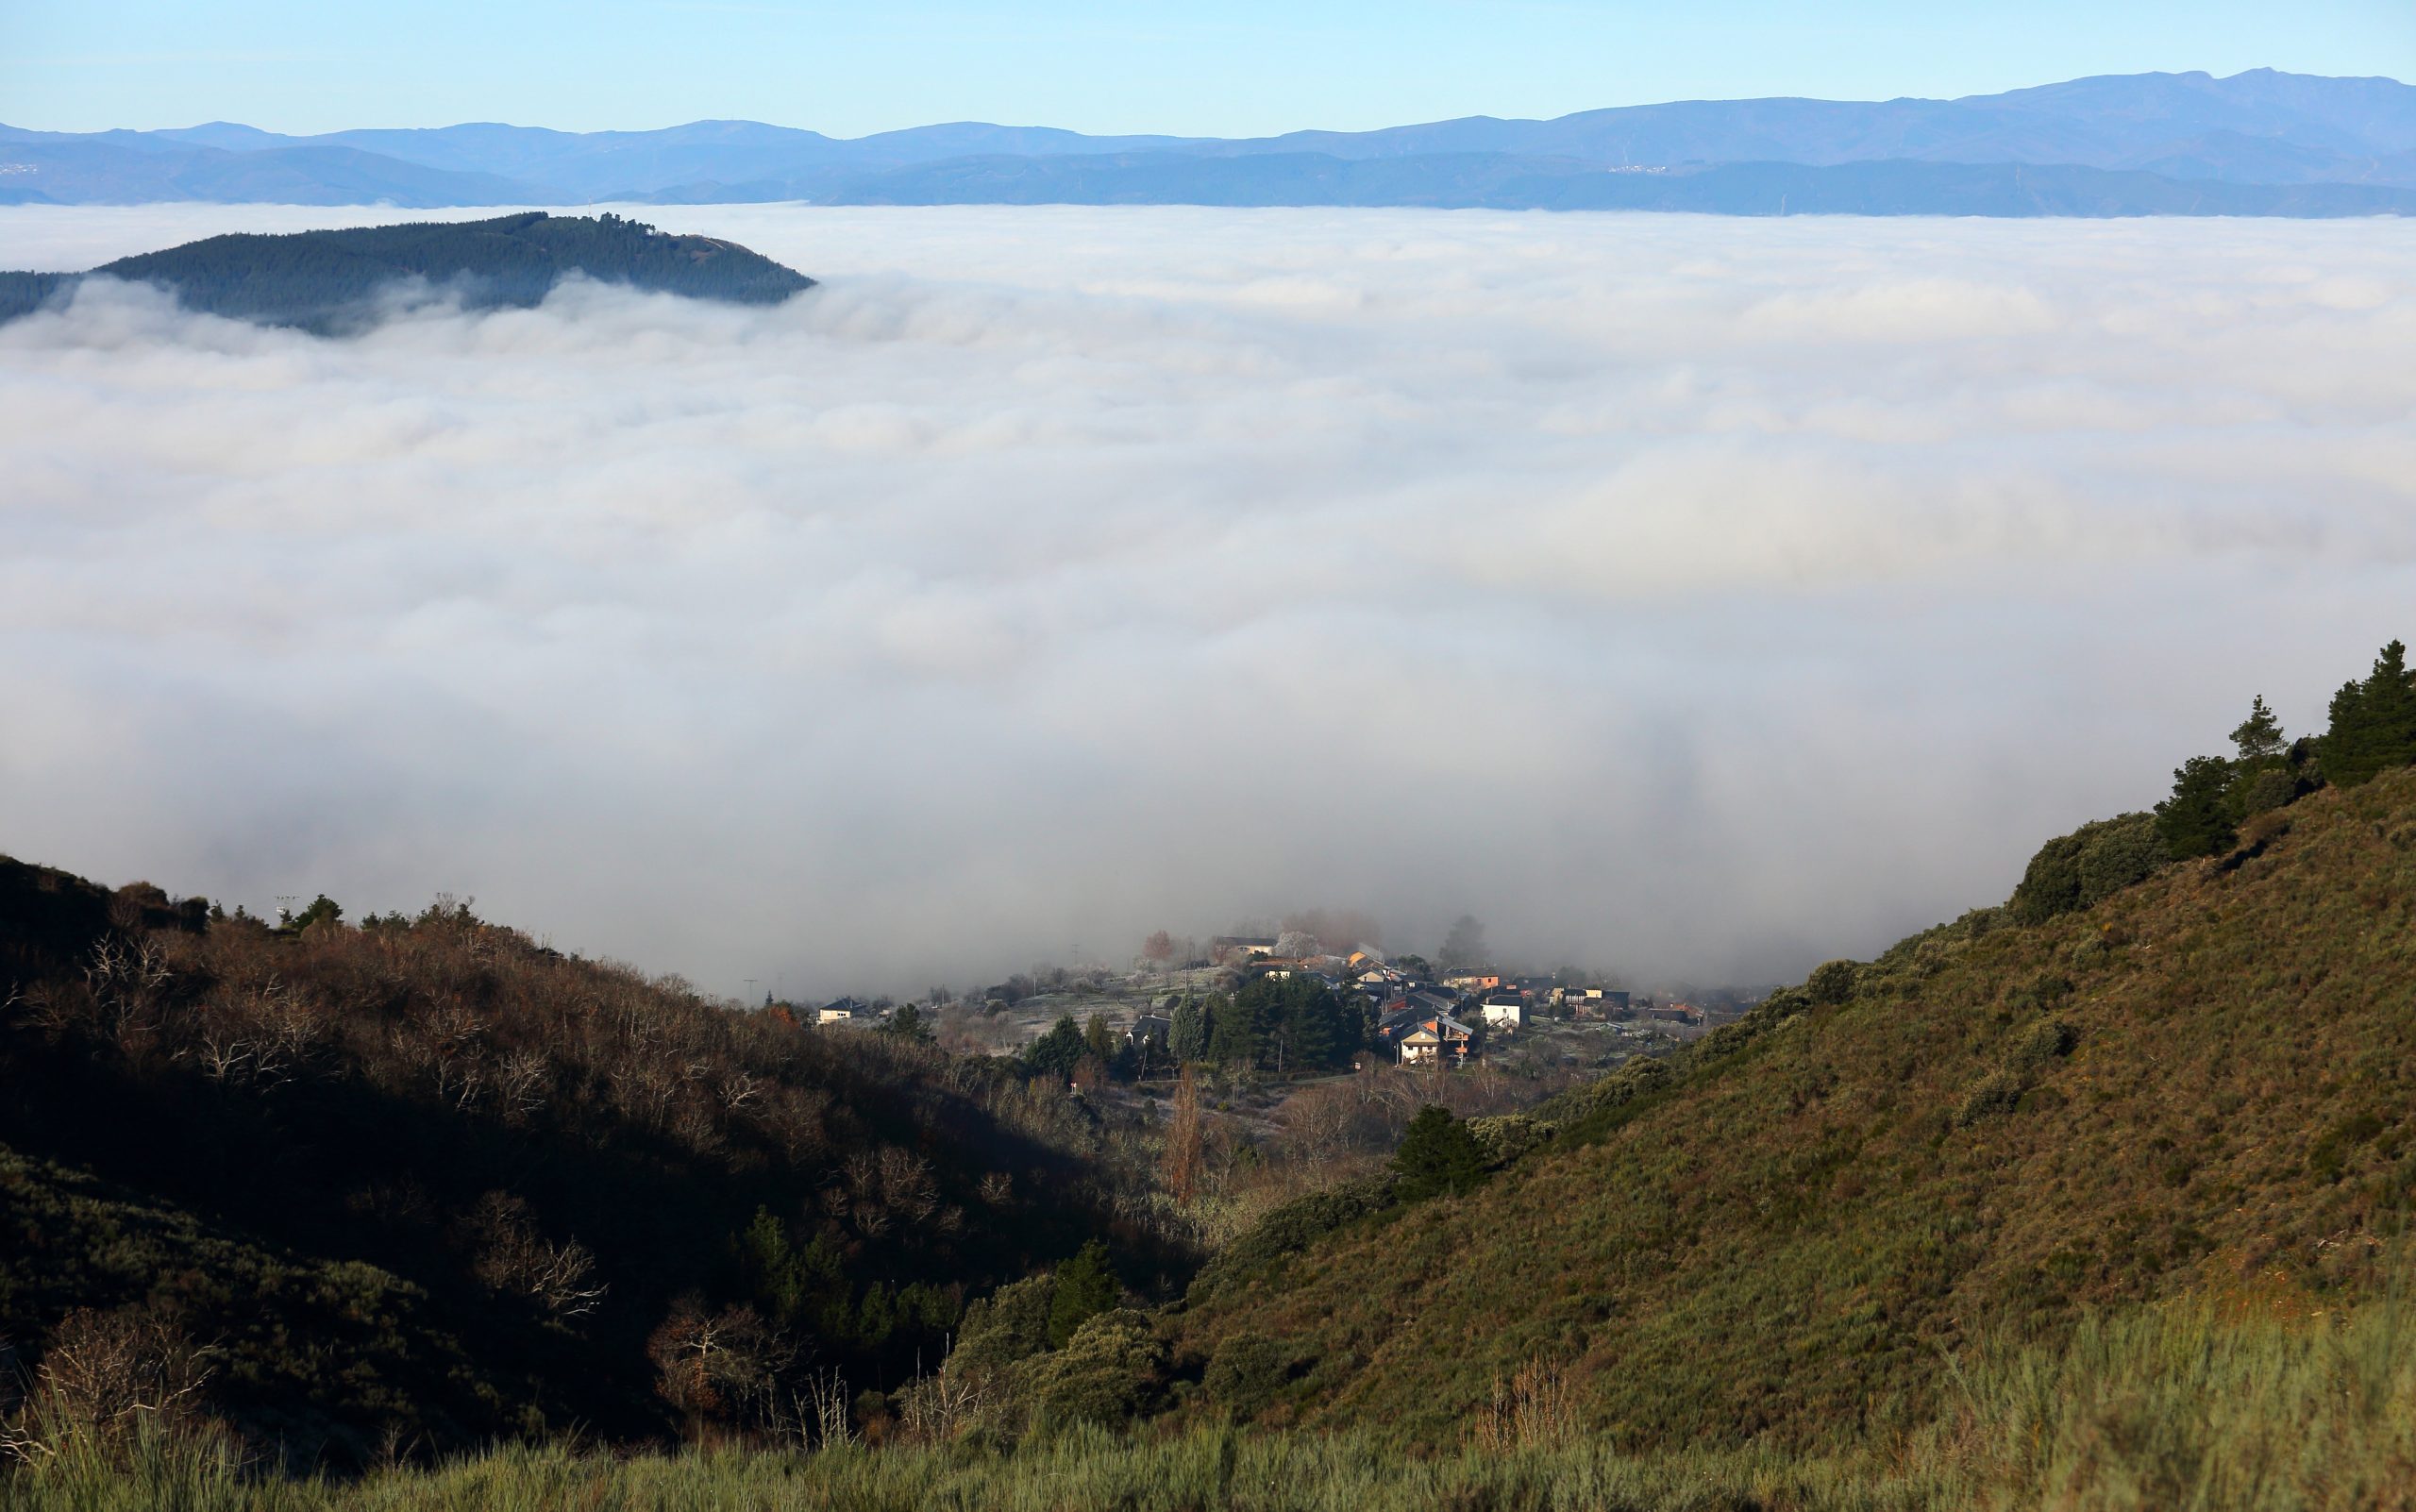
1506 1010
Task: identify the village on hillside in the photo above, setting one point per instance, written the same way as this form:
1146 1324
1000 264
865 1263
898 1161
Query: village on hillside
1408 1012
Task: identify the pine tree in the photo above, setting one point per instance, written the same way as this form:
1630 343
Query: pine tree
2197 819
1059 1050
773 1269
2259 737
2374 722
1096 1039
1086 1286
1233 1031
877 1319
1188 1038
1438 1154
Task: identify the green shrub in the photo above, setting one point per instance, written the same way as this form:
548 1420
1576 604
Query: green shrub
2274 789
1246 1375
1291 1228
2044 990
2329 1155
1994 1094
1980 923
1113 1370
2043 1043
1010 1324
2078 870
1832 982
1630 1081
1507 1136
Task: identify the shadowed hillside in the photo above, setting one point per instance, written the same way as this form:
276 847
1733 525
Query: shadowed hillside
1786 1233
329 281
422 1184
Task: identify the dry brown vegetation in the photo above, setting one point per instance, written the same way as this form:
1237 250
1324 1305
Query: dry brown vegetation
428 1180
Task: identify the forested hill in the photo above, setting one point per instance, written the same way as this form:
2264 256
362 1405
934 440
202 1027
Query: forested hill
425 1183
338 281
2179 1061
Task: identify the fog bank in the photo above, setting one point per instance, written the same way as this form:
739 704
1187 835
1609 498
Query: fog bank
1694 596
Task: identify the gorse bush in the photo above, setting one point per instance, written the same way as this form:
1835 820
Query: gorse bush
2089 866
1111 1371
1246 1375
1832 983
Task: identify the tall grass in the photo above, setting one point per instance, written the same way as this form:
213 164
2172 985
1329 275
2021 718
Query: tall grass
2210 1405
2200 1405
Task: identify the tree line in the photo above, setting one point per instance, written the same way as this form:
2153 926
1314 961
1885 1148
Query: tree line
1279 1024
2372 729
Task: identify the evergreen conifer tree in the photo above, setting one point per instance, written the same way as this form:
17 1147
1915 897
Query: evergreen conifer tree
1059 1050
773 1269
2259 737
2374 722
2197 819
1187 1039
1438 1154
1233 1031
1086 1286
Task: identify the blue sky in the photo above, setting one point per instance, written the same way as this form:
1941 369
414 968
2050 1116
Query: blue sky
1235 67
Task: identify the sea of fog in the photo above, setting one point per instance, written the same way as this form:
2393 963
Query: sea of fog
1689 596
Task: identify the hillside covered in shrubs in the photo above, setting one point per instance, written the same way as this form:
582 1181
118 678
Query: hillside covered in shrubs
342 280
2177 1062
422 1184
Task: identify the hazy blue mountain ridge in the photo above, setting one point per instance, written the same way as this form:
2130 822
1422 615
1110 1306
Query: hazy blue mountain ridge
1508 182
2257 129
43 169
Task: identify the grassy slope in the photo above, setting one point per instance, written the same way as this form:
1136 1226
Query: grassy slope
2210 1407
1792 1238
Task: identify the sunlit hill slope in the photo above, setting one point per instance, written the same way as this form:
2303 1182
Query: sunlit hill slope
2199 1085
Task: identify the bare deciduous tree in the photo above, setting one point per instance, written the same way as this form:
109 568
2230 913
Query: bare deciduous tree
513 1258
107 1379
1181 1164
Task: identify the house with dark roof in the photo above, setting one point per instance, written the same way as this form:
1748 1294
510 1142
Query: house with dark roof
1440 1040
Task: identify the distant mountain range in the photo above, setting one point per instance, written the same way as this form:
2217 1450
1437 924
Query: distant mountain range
2258 144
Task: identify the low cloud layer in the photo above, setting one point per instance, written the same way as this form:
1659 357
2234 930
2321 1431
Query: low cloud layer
1694 598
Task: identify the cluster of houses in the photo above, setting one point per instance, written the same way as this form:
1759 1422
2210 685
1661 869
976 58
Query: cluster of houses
1444 1023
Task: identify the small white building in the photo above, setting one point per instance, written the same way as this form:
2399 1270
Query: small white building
1505 1011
